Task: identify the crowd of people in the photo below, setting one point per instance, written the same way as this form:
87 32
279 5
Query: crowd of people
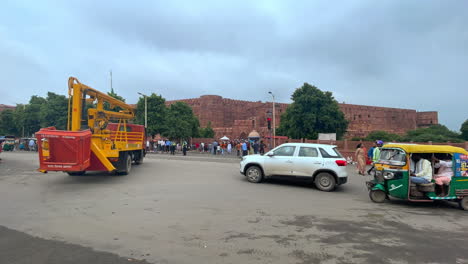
167 146
239 147
19 144
363 157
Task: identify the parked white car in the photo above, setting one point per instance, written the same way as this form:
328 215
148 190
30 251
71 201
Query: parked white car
322 163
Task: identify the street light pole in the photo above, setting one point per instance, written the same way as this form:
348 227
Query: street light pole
274 121
146 109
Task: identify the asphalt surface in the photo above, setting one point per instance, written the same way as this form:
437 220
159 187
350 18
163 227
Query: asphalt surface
199 209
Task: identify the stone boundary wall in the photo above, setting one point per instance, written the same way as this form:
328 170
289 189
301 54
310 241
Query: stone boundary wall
223 113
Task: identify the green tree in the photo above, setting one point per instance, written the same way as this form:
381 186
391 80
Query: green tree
435 133
116 96
54 111
312 111
181 123
464 130
382 135
19 116
32 115
207 132
157 112
7 125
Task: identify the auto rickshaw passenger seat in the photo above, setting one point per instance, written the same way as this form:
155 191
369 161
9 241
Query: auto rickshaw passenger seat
426 187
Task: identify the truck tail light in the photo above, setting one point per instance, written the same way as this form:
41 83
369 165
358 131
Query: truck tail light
340 162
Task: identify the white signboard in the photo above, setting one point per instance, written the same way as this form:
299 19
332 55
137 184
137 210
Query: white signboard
327 136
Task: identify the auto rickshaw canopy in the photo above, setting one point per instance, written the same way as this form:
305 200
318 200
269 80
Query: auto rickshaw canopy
415 148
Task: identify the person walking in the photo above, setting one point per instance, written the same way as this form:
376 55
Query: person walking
229 148
215 147
262 147
173 147
168 145
375 154
360 157
255 147
184 148
244 149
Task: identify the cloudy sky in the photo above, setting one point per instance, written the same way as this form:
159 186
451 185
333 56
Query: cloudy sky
404 54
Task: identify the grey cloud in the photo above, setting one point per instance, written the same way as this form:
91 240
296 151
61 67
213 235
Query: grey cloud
390 53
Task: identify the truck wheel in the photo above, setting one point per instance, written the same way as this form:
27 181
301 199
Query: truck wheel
325 182
76 173
127 165
254 174
464 203
139 157
377 196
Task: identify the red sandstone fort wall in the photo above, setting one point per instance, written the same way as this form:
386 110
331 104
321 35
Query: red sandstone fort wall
426 119
236 118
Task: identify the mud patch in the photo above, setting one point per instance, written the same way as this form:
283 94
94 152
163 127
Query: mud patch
301 222
309 258
281 240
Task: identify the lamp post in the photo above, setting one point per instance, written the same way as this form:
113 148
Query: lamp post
274 122
146 111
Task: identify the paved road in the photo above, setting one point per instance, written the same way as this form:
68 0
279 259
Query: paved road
199 209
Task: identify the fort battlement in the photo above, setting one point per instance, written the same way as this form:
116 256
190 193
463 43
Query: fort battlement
232 117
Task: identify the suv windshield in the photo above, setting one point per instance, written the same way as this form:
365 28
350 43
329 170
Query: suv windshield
393 157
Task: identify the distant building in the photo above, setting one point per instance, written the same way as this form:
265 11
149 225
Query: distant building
5 107
236 118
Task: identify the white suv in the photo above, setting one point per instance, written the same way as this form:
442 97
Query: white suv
323 163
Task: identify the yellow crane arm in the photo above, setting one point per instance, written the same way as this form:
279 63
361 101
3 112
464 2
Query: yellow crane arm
80 94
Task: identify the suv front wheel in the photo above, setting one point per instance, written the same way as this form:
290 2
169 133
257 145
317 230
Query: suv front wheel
254 174
324 181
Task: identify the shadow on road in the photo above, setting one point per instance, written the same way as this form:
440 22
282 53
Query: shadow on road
293 182
94 177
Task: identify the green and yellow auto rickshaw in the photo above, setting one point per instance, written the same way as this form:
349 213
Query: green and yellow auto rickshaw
395 166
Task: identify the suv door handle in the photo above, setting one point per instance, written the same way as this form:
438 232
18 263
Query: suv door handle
289 161
317 162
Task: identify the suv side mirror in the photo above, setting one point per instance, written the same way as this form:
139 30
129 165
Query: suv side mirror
270 154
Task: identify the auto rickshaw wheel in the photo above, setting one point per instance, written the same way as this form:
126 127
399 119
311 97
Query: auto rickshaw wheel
377 196
464 203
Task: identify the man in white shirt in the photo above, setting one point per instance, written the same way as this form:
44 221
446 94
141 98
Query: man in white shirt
422 170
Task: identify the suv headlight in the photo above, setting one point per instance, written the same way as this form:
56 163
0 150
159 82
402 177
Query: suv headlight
388 175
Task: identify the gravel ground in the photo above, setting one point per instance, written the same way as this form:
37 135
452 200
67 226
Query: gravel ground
199 209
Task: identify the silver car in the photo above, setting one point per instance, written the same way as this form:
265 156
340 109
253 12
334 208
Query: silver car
322 163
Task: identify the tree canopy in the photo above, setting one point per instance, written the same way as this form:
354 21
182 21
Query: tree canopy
181 122
464 130
116 96
434 133
383 135
40 112
156 111
207 132
7 123
312 111
54 111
